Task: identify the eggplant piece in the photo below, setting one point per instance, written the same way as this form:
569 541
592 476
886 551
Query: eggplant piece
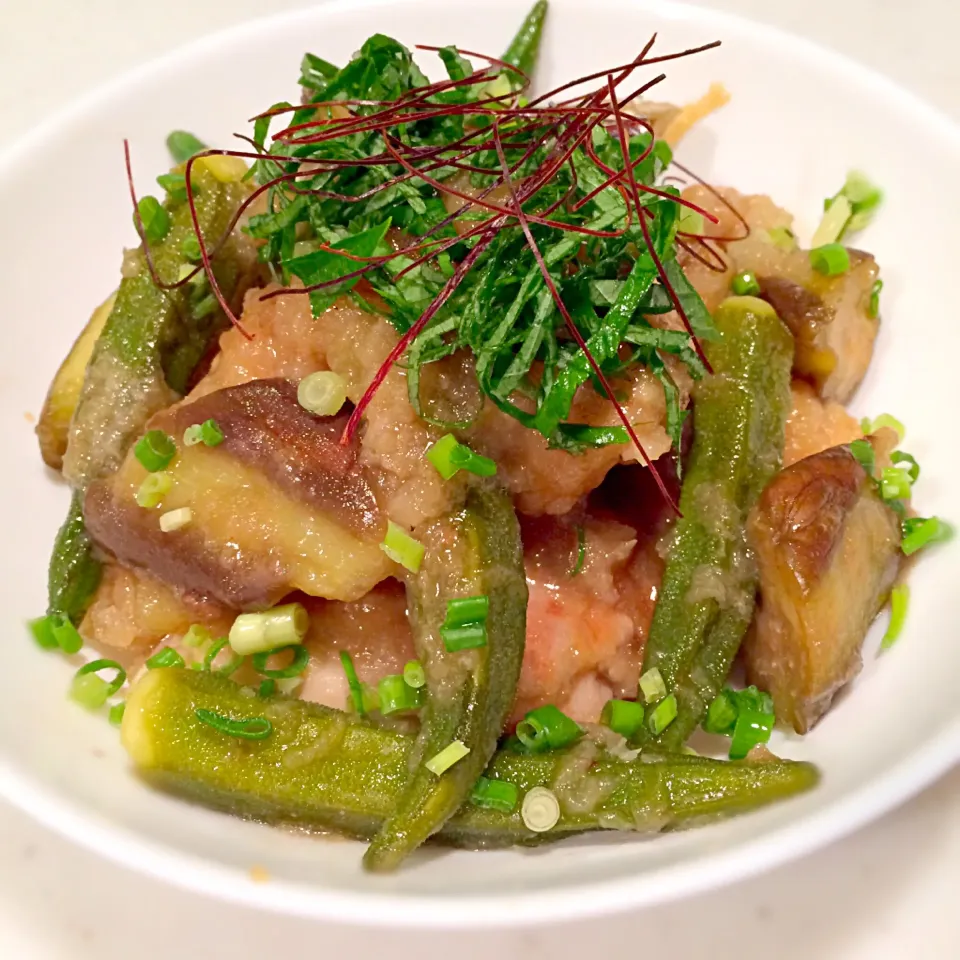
828 551
54 426
829 319
278 506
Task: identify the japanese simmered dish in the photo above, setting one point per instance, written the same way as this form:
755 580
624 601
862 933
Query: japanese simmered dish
446 446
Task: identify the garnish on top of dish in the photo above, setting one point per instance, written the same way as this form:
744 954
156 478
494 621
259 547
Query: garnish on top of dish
386 492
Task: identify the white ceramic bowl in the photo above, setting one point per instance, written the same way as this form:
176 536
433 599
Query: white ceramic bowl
799 119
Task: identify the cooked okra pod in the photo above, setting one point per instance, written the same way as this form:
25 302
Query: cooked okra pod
323 769
709 585
476 553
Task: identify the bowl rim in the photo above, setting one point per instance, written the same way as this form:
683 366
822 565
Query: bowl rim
127 848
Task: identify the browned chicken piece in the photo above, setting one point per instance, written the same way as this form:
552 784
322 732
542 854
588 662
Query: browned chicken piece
544 481
828 316
278 506
374 630
288 342
828 551
815 424
133 612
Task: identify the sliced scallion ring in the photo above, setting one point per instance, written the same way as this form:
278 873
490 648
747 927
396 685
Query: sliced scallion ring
296 666
251 728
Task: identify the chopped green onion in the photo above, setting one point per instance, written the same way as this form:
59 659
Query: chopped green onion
913 471
540 809
298 663
752 728
353 682
41 629
211 434
278 627
464 626
174 520
449 457
190 248
183 146
662 715
154 219
722 713
622 716
652 686
745 715
894 483
401 548
452 753
92 691
287 685
228 668
873 306
53 631
208 433
581 550
899 601
175 185
397 696
252 728
439 454
67 636
267 688
154 488
495 795
470 636
116 713
920 532
752 698
197 635
155 449
884 420
463 610
831 259
167 657
783 238
864 197
849 210
414 675
89 691
745 284
322 393
95 666
865 455
548 728
860 190
834 222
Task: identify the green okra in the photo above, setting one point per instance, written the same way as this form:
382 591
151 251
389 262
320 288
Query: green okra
149 346
153 338
75 572
323 769
708 591
470 692
525 46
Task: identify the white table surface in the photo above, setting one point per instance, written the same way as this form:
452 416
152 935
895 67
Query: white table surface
890 891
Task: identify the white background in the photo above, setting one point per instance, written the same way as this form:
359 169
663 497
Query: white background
888 892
